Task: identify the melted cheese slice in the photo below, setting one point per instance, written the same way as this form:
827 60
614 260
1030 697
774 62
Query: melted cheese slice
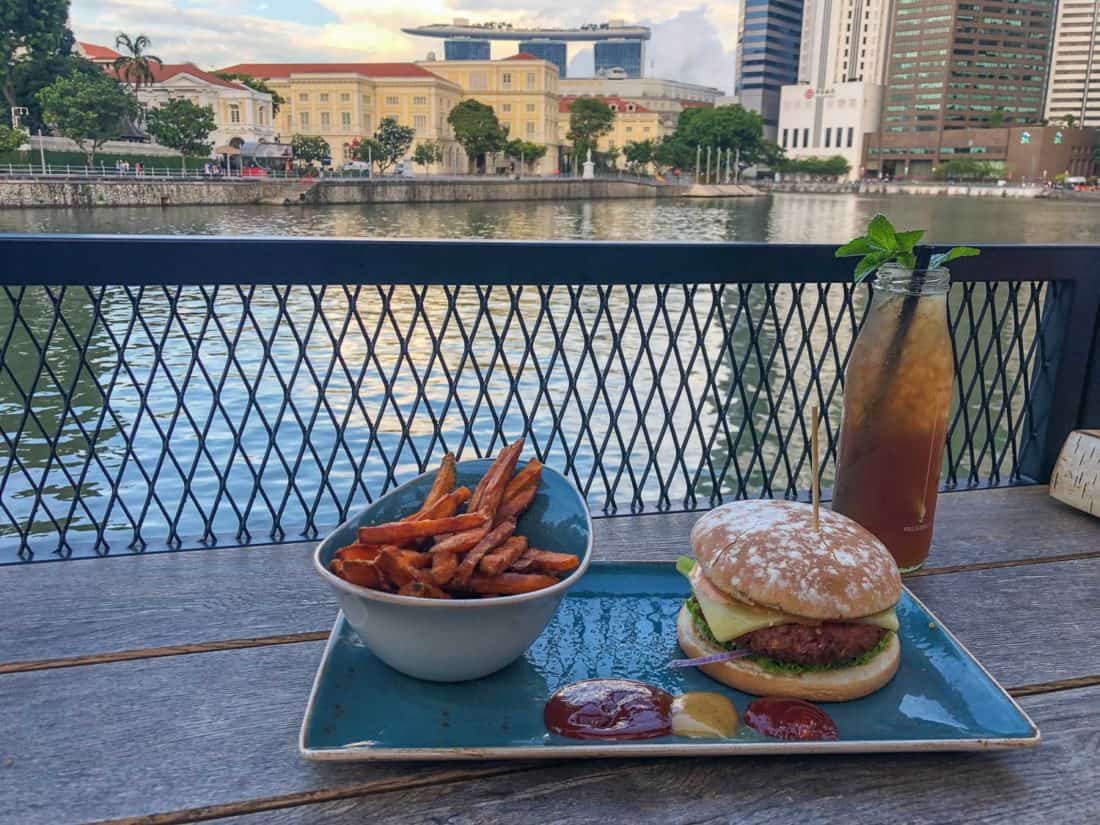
729 619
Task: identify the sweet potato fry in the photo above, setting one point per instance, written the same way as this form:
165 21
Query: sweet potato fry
509 584
357 552
470 561
444 481
530 474
444 566
499 474
502 558
396 569
543 561
362 573
399 532
422 589
516 503
415 558
461 542
445 506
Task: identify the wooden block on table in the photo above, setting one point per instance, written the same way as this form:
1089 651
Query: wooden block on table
1076 477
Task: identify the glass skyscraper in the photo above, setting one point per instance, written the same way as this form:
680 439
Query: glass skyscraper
463 48
552 51
768 46
628 55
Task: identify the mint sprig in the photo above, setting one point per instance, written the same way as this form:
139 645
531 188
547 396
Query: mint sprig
883 244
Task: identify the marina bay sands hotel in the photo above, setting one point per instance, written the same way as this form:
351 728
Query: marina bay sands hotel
619 48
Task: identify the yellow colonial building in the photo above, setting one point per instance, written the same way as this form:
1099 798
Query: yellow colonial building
344 102
633 123
521 89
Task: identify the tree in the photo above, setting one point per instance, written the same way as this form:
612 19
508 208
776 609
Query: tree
477 130
525 152
29 29
724 127
369 150
257 84
135 67
182 125
310 148
831 167
1070 121
640 154
11 139
673 153
89 109
393 141
996 118
610 158
589 118
427 153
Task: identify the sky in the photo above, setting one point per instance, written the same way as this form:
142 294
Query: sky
692 40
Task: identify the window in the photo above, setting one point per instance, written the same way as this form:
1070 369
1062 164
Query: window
324 120
345 119
303 98
506 78
851 132
234 113
794 138
303 119
324 97
420 101
645 129
261 115
366 100
805 137
530 107
828 138
420 123
392 100
289 123
629 129
506 107
479 81
785 138
530 129
345 97
531 80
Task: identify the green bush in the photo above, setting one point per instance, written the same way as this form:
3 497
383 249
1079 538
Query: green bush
78 160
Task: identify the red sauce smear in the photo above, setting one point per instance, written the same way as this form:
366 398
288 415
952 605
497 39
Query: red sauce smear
789 719
609 709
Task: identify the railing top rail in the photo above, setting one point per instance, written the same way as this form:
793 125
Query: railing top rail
89 260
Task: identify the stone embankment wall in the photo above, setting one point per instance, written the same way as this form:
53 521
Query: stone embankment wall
970 190
23 193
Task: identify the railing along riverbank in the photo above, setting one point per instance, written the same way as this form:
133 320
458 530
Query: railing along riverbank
178 393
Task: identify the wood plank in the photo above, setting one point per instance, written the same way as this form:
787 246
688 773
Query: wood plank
131 603
183 732
1057 782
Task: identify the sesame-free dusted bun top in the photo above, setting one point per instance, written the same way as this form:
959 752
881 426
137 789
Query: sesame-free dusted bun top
766 552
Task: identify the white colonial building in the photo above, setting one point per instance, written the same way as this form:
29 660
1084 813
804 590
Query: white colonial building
241 114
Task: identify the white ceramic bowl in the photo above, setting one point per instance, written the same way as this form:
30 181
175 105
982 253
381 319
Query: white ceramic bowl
461 639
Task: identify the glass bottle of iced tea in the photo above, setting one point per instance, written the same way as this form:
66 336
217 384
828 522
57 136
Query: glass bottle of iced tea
897 396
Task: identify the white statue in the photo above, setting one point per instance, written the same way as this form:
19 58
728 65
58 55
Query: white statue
589 167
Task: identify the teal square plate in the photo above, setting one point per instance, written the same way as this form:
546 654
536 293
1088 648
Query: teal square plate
620 620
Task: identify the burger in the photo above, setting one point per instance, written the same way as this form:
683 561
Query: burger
780 608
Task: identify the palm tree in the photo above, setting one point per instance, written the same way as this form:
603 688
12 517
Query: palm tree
135 66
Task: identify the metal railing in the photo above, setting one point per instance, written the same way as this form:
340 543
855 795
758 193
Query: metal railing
168 393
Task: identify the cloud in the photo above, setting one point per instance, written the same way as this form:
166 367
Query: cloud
692 42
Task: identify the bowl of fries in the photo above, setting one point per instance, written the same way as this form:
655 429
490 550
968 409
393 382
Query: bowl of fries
453 575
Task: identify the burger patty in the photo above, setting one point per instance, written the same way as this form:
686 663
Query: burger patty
813 644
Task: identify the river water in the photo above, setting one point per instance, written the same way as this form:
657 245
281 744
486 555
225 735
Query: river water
781 217
189 407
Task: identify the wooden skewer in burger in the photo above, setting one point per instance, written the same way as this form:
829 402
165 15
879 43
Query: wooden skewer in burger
790 600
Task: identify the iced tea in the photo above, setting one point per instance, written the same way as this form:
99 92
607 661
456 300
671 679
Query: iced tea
897 397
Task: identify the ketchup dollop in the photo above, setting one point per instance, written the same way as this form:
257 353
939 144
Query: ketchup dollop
789 719
609 709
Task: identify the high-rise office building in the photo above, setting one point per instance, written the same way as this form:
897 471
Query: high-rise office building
768 47
552 51
956 65
465 48
838 97
618 53
1074 86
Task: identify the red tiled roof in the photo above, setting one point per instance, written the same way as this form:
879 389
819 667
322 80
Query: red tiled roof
94 52
265 70
522 56
169 70
565 102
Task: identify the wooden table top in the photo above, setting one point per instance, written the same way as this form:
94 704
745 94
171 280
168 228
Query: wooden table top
169 688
